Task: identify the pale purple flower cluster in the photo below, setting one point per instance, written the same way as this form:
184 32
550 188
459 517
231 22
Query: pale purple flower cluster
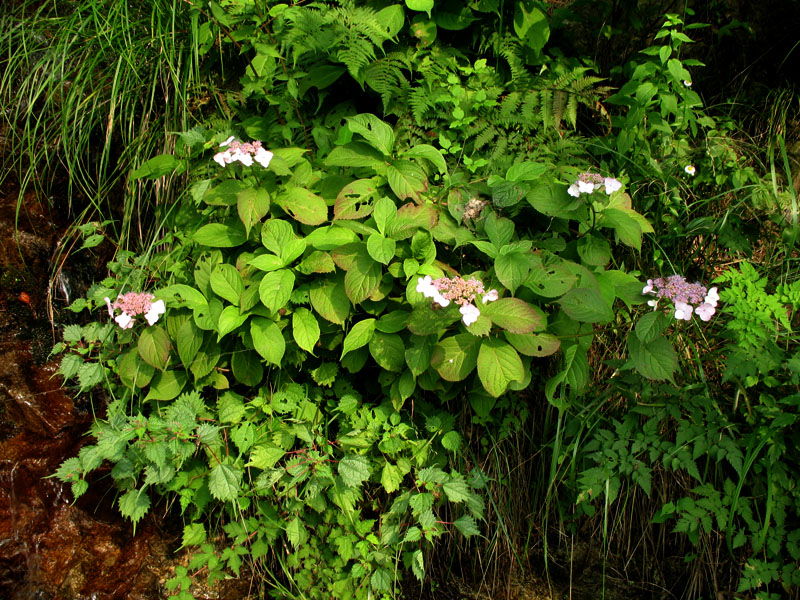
461 291
683 296
135 303
243 152
589 182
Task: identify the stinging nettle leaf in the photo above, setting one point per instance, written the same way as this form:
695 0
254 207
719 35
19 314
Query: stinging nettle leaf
354 470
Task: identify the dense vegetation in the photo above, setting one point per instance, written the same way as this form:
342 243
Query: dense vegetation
426 286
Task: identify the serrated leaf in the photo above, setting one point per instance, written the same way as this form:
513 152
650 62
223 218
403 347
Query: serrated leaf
194 534
70 363
391 478
134 505
534 344
265 456
384 213
456 490
355 200
466 525
451 441
354 470
90 374
296 532
407 180
189 340
512 269
252 204
381 249
362 279
247 368
229 320
303 205
166 385
224 482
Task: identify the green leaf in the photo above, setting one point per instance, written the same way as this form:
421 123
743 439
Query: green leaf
226 282
425 320
354 201
303 205
355 154
247 368
381 249
456 490
166 385
154 346
226 193
276 288
189 340
384 213
388 350
420 5
651 326
512 269
265 456
515 315
194 534
594 250
452 441
229 320
419 353
158 166
373 130
305 329
655 359
530 25
276 234
500 231
296 533
218 235
466 525
330 237
586 305
267 262
224 482
252 205
456 356
391 478
525 171
407 180
429 153
134 504
267 340
362 279
354 470
329 300
624 224
531 344
498 365
359 335
132 370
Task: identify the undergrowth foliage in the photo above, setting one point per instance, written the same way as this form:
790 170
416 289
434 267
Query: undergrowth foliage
347 314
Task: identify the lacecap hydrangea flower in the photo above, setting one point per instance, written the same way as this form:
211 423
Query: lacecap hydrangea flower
687 298
460 291
243 152
589 182
133 304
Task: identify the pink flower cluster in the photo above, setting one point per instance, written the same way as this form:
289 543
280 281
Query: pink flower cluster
244 153
461 291
135 303
683 295
589 182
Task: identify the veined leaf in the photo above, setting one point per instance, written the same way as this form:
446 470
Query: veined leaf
354 470
153 347
359 335
305 329
498 365
276 288
267 340
456 356
224 482
226 281
515 315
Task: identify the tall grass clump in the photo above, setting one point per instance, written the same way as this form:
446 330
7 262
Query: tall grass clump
88 90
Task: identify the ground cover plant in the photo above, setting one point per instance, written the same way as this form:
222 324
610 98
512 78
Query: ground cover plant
418 250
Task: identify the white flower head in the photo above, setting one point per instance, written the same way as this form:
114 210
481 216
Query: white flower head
653 303
585 187
611 185
687 82
425 286
705 311
228 141
712 297
156 309
648 288
573 190
683 311
263 157
690 170
440 300
490 296
470 314
124 320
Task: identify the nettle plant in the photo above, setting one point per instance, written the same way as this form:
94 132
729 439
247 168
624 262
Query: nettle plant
325 325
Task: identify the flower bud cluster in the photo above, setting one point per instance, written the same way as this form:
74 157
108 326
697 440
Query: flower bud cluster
460 291
135 303
243 152
589 182
683 296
